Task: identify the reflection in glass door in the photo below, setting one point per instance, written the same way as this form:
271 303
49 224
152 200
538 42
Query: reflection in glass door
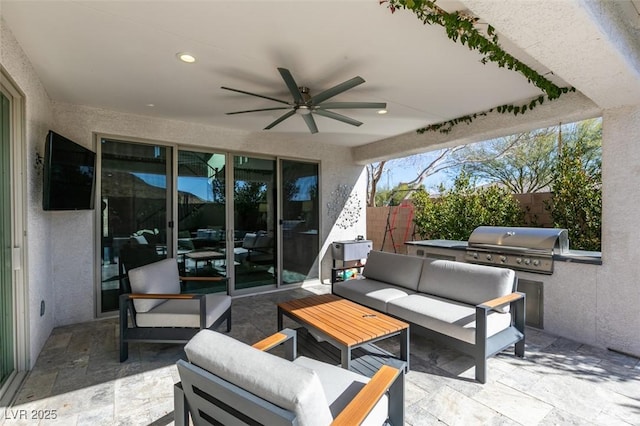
201 249
254 193
299 221
6 285
134 195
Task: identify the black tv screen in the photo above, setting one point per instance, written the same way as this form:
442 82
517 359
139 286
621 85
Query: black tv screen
69 175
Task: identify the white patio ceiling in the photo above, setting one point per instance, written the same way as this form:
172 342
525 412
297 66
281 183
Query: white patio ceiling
122 56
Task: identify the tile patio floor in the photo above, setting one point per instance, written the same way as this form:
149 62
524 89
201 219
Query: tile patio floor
559 382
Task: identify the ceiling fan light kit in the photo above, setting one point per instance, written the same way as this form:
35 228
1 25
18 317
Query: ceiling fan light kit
306 106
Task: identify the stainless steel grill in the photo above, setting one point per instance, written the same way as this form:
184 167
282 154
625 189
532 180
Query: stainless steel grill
524 249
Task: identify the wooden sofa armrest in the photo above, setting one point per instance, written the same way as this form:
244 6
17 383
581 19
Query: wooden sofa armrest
502 300
360 406
163 296
203 278
287 336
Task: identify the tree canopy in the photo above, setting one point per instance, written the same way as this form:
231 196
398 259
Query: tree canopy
525 162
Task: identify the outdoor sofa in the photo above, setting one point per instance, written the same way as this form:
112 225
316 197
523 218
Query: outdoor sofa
472 308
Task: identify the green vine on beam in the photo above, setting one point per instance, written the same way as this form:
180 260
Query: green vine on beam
462 27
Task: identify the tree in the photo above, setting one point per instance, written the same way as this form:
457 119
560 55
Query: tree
458 211
525 162
426 164
374 173
576 202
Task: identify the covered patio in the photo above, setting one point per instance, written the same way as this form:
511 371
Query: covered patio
560 381
109 69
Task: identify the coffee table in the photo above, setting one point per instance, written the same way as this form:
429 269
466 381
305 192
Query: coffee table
345 324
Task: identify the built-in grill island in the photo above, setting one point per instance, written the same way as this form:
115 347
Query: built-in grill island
519 248
540 256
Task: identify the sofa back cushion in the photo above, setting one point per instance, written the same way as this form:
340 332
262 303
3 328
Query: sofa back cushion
160 277
465 282
281 382
398 269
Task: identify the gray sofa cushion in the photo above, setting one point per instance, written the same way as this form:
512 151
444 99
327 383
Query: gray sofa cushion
465 282
262 374
445 316
341 386
401 270
160 278
369 292
184 313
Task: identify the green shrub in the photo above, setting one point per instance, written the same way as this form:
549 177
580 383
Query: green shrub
458 211
576 201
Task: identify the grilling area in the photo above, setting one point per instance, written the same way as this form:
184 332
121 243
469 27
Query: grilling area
559 282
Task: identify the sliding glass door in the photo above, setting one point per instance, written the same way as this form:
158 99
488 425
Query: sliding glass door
135 198
248 223
7 343
202 225
299 221
254 213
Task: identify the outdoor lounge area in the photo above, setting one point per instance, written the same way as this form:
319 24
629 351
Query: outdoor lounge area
205 132
78 376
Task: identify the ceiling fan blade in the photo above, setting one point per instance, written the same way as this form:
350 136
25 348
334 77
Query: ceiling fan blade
336 90
292 85
255 94
256 110
352 105
336 116
280 119
311 123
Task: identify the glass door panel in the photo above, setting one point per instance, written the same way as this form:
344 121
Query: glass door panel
6 284
254 193
299 221
134 195
201 247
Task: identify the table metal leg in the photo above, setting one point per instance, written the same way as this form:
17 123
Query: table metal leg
404 347
279 318
345 352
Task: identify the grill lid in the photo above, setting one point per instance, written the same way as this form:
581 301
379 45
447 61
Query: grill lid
502 238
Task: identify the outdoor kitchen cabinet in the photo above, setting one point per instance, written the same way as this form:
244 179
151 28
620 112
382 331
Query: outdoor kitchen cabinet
347 256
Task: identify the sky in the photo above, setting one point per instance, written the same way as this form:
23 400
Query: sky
408 170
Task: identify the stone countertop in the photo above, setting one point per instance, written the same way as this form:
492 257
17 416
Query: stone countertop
448 244
578 256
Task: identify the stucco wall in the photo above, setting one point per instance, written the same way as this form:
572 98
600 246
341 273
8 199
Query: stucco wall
618 292
74 232
37 222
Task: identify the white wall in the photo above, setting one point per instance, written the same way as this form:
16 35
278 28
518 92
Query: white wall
37 257
618 292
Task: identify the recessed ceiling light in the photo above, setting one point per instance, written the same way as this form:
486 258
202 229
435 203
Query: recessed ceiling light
151 105
382 111
186 57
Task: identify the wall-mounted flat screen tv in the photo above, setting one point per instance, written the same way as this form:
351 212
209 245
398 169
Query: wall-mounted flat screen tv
69 175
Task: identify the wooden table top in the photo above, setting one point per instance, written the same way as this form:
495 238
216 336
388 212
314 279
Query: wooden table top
204 255
345 321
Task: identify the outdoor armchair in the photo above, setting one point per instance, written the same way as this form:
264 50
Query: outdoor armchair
228 382
159 313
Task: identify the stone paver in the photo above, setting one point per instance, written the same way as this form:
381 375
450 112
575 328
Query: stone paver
78 376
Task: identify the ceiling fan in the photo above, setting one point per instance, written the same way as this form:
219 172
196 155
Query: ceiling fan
306 105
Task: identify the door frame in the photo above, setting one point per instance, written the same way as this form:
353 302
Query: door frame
18 156
171 207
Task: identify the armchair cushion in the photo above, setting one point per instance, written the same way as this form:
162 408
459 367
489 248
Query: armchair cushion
184 313
161 277
287 385
340 388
